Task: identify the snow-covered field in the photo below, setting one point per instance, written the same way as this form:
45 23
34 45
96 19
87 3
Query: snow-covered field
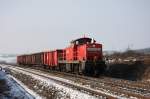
62 91
8 59
68 81
10 89
45 88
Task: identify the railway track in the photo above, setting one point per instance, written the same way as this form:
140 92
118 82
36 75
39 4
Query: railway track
96 93
116 87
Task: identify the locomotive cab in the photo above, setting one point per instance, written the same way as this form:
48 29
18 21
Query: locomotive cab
87 54
87 49
82 41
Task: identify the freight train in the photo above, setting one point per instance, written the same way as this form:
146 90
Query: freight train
83 56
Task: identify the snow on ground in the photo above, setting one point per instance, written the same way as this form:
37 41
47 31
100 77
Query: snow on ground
68 81
27 89
74 94
11 90
8 59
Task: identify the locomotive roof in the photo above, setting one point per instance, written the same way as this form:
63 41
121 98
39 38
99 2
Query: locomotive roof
82 40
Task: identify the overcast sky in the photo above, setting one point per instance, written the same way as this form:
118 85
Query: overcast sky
38 25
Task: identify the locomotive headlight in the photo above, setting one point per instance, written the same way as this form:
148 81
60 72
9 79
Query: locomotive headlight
94 45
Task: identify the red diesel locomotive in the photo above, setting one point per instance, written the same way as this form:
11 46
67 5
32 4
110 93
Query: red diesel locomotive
83 55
